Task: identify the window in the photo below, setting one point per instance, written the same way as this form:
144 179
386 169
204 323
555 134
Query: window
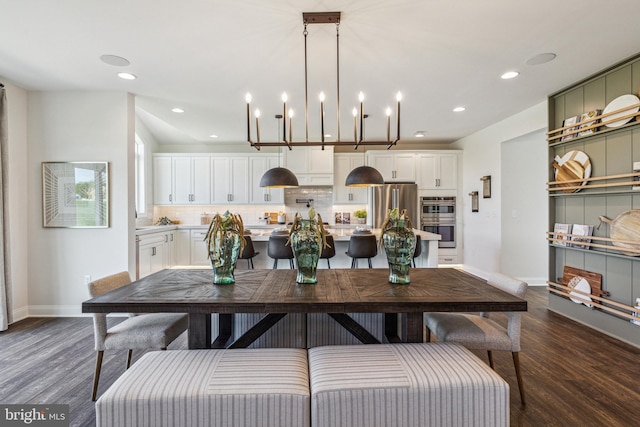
141 201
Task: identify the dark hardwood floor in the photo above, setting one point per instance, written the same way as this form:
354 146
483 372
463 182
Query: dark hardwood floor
573 375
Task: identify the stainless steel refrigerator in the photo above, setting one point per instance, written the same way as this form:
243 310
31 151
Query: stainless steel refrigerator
401 195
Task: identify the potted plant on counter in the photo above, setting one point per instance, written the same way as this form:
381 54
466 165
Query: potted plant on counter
361 216
225 241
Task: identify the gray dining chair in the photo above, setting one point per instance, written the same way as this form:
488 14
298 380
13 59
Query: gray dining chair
145 331
362 246
479 332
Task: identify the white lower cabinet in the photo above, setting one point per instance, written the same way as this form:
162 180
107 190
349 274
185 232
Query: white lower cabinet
152 253
199 250
182 247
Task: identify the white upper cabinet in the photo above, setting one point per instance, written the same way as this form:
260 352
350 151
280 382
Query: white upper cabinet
162 180
181 180
258 165
230 178
311 165
192 180
342 165
437 171
394 166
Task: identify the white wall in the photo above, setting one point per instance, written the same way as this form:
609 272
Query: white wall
482 231
78 126
524 223
18 235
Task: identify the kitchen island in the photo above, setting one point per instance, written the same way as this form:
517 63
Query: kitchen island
190 249
341 236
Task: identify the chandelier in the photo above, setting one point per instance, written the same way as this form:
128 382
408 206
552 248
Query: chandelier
361 176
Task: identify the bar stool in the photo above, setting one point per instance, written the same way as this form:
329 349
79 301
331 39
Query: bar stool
363 246
248 252
328 251
276 249
417 251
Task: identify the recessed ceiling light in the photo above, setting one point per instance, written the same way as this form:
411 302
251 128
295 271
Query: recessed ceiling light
213 136
177 110
541 58
327 135
117 61
509 75
459 109
127 76
419 133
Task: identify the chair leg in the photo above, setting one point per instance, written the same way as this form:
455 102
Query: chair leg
275 264
369 260
490 358
291 265
516 364
328 263
96 375
129 354
428 334
353 263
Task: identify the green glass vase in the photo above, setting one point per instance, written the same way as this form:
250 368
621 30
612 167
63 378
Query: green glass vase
306 242
399 242
223 252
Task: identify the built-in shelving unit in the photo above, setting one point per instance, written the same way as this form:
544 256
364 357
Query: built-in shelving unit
608 191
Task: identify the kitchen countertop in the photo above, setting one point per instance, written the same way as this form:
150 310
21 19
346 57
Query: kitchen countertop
261 233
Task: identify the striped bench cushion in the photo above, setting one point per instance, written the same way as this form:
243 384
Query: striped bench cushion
243 387
404 385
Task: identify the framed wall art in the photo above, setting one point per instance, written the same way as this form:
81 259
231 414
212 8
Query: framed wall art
75 194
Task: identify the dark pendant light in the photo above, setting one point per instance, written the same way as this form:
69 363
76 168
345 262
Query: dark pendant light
364 176
279 178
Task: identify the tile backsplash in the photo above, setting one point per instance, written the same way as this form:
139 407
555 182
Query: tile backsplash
295 199
321 198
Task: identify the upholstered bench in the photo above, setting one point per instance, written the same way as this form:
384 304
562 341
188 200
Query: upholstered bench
404 385
224 388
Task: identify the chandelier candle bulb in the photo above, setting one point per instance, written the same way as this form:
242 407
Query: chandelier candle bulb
257 114
388 112
398 98
321 96
248 99
355 125
284 117
361 99
290 127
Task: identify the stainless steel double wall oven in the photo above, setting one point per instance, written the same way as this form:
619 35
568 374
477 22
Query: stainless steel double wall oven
438 215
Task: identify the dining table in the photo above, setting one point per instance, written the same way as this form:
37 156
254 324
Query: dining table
275 293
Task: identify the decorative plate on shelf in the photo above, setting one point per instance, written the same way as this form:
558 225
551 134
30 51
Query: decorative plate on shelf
580 284
620 103
573 165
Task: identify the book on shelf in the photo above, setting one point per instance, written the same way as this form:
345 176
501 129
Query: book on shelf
566 122
585 123
581 230
561 229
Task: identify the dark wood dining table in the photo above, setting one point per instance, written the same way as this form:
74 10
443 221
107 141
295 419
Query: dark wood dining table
275 293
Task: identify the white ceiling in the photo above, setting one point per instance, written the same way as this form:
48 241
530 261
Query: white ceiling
204 56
